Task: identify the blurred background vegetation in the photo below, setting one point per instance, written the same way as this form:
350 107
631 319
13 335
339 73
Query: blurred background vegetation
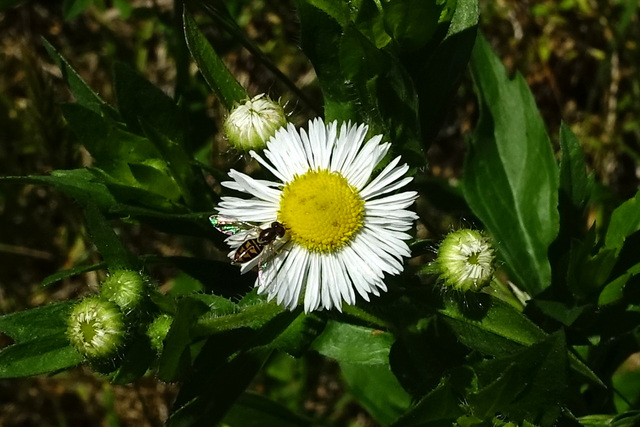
580 57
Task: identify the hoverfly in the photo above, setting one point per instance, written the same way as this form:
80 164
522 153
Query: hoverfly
252 247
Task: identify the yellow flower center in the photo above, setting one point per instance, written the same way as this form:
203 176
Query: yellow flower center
321 211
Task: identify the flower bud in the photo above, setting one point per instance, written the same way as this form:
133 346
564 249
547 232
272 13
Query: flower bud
250 125
96 328
125 288
465 260
158 330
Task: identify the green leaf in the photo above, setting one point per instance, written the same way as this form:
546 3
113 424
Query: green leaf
491 327
354 344
614 290
320 35
112 147
628 419
574 182
137 360
179 166
215 73
625 221
177 355
153 176
338 10
440 408
136 195
84 95
437 74
74 271
73 8
529 384
296 339
254 410
510 174
360 82
411 24
210 392
77 183
38 356
36 322
252 316
107 242
377 390
139 99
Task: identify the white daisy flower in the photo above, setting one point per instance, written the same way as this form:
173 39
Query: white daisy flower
344 230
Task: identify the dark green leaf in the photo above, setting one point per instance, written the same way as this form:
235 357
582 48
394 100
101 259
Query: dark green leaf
111 146
320 35
138 358
135 196
60 275
510 174
296 339
628 419
37 322
209 393
179 166
377 389
354 344
107 242
625 221
411 24
436 75
77 183
177 355
215 73
41 355
254 410
139 100
573 170
84 95
491 327
153 176
440 408
614 290
529 384
73 8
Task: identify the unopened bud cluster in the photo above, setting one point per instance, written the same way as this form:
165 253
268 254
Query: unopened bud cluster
465 260
251 124
99 326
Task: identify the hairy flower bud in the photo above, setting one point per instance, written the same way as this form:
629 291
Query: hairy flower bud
465 260
96 328
250 125
158 330
125 288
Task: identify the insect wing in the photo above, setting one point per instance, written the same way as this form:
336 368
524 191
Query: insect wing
270 264
228 225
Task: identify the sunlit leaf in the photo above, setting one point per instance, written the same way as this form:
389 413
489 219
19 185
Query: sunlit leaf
215 73
510 173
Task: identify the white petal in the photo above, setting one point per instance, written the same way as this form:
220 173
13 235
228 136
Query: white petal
254 187
312 290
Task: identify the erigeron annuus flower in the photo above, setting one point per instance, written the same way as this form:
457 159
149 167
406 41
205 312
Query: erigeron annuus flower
344 230
96 328
465 260
251 124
